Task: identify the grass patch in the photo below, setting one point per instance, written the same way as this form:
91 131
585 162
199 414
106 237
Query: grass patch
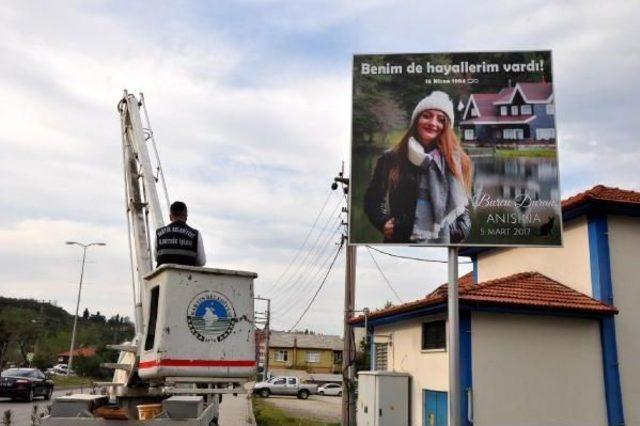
268 415
534 152
70 382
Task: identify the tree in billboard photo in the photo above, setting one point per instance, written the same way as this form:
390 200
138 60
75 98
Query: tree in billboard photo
454 149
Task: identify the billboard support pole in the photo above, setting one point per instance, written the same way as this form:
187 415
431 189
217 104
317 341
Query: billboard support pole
348 379
454 338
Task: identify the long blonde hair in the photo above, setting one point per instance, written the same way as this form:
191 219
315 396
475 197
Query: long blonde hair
449 147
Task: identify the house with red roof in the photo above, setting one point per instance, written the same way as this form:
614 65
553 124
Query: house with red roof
548 336
86 352
522 114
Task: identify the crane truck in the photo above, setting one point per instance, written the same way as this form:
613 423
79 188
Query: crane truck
194 328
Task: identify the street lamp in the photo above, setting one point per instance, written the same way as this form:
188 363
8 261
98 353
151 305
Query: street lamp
75 319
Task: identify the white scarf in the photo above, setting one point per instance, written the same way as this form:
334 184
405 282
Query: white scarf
441 197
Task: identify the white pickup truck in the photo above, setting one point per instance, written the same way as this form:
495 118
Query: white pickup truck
284 386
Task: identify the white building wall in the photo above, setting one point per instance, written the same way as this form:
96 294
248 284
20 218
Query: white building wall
428 369
624 250
534 370
568 265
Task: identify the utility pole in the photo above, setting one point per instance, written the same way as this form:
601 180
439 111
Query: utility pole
267 330
348 397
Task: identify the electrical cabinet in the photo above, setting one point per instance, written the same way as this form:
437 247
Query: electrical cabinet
383 398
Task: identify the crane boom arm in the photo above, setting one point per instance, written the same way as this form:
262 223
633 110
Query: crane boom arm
144 214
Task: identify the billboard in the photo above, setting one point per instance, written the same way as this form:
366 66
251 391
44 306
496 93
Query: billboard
454 149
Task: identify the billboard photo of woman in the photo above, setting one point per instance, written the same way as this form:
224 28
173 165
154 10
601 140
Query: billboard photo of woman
420 190
454 149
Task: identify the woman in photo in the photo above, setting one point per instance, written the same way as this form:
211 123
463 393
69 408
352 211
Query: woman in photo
421 187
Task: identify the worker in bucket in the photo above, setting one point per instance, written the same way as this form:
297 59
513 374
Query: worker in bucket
177 242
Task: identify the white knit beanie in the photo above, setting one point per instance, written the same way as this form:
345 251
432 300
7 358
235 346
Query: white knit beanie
436 100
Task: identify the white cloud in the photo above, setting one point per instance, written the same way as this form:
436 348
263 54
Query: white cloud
251 114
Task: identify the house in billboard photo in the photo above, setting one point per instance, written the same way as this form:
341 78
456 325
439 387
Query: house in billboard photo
548 336
521 115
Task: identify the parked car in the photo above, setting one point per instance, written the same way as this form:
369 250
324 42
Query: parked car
59 370
284 386
333 389
25 383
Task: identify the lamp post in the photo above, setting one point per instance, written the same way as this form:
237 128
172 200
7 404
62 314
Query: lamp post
75 319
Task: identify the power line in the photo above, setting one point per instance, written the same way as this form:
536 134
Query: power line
419 259
324 205
320 286
316 263
290 280
384 276
306 282
320 243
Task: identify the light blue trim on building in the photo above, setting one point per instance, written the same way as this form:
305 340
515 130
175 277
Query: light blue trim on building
602 289
466 373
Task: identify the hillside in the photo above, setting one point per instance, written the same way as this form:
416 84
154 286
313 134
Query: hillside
29 326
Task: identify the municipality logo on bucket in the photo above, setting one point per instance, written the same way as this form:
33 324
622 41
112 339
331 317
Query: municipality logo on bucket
210 317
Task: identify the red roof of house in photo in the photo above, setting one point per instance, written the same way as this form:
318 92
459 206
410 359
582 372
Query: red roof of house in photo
533 92
484 102
602 194
80 352
526 290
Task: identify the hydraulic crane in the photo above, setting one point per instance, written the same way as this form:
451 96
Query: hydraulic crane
194 328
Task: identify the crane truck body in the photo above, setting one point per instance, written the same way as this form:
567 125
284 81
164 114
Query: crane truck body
194 338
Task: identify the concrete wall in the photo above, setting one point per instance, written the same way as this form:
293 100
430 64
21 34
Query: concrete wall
624 247
534 370
428 369
568 265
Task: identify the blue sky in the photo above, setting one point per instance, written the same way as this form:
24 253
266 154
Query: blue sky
250 104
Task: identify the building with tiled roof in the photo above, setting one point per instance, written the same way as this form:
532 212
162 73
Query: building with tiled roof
522 114
547 335
313 353
86 352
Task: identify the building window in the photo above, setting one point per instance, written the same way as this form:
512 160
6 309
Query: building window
474 112
282 356
514 110
545 134
513 134
525 109
381 356
337 357
551 109
434 335
469 134
503 110
313 357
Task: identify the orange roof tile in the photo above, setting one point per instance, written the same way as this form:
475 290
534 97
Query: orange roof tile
80 352
601 193
526 290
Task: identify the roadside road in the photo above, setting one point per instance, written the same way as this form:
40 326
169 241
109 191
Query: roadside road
234 411
21 410
323 408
